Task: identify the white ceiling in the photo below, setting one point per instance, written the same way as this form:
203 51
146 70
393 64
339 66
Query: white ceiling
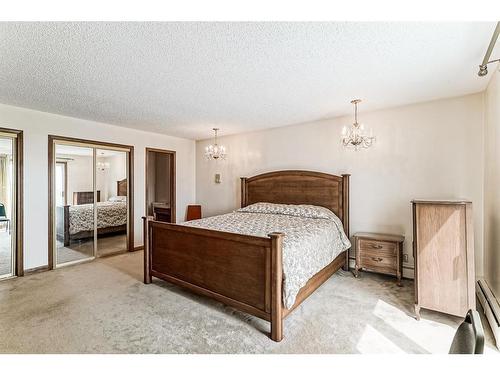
185 78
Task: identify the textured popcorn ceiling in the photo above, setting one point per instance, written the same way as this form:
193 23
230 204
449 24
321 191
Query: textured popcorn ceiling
184 78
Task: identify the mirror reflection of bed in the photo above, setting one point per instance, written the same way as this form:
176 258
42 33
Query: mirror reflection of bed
75 211
112 222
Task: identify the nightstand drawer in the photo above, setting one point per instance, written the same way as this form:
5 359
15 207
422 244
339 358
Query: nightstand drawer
378 262
378 248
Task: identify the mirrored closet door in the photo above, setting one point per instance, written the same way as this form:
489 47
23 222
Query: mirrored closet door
111 181
74 203
7 205
90 200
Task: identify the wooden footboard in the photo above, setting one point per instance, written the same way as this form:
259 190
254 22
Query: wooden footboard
238 270
241 271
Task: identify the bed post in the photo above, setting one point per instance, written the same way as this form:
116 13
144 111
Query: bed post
345 214
276 286
66 235
243 191
147 258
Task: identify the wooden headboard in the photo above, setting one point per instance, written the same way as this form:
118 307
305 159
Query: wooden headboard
85 197
121 188
299 187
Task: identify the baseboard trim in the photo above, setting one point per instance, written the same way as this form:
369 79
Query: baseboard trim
39 269
33 270
111 255
491 308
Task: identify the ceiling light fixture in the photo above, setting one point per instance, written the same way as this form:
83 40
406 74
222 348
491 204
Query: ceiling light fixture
356 136
215 151
103 165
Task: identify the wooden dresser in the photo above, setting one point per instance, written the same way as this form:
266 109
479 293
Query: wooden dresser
380 253
443 248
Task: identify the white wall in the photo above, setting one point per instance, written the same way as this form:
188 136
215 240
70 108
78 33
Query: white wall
430 150
38 125
492 184
107 179
427 150
79 172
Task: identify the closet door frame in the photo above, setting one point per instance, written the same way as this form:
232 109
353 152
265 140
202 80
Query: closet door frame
65 167
172 181
17 136
55 139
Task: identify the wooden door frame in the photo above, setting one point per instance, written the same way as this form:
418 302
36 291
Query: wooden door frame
65 163
130 173
172 181
19 196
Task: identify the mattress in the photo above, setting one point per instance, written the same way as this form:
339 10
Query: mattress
109 214
314 237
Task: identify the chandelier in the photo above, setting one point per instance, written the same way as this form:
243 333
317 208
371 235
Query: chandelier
215 151
356 136
102 166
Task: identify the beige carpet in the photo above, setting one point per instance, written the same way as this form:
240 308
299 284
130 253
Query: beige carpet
103 307
83 249
5 253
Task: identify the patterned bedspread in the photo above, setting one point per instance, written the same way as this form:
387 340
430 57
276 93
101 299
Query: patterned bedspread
314 236
109 214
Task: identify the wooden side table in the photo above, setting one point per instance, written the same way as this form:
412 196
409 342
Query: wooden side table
381 253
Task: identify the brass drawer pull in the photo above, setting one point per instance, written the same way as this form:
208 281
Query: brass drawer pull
377 259
376 246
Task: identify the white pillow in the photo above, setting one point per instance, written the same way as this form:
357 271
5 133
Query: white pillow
119 198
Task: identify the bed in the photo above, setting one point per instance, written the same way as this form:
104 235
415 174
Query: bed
243 259
76 222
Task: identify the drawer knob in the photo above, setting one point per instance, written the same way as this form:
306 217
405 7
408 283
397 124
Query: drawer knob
377 259
376 246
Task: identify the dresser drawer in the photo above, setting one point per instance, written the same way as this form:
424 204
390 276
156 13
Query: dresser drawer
386 264
378 248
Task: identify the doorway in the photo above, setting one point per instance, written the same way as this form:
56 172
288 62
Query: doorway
61 183
90 200
11 218
160 184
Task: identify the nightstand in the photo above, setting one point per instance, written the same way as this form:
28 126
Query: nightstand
377 252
